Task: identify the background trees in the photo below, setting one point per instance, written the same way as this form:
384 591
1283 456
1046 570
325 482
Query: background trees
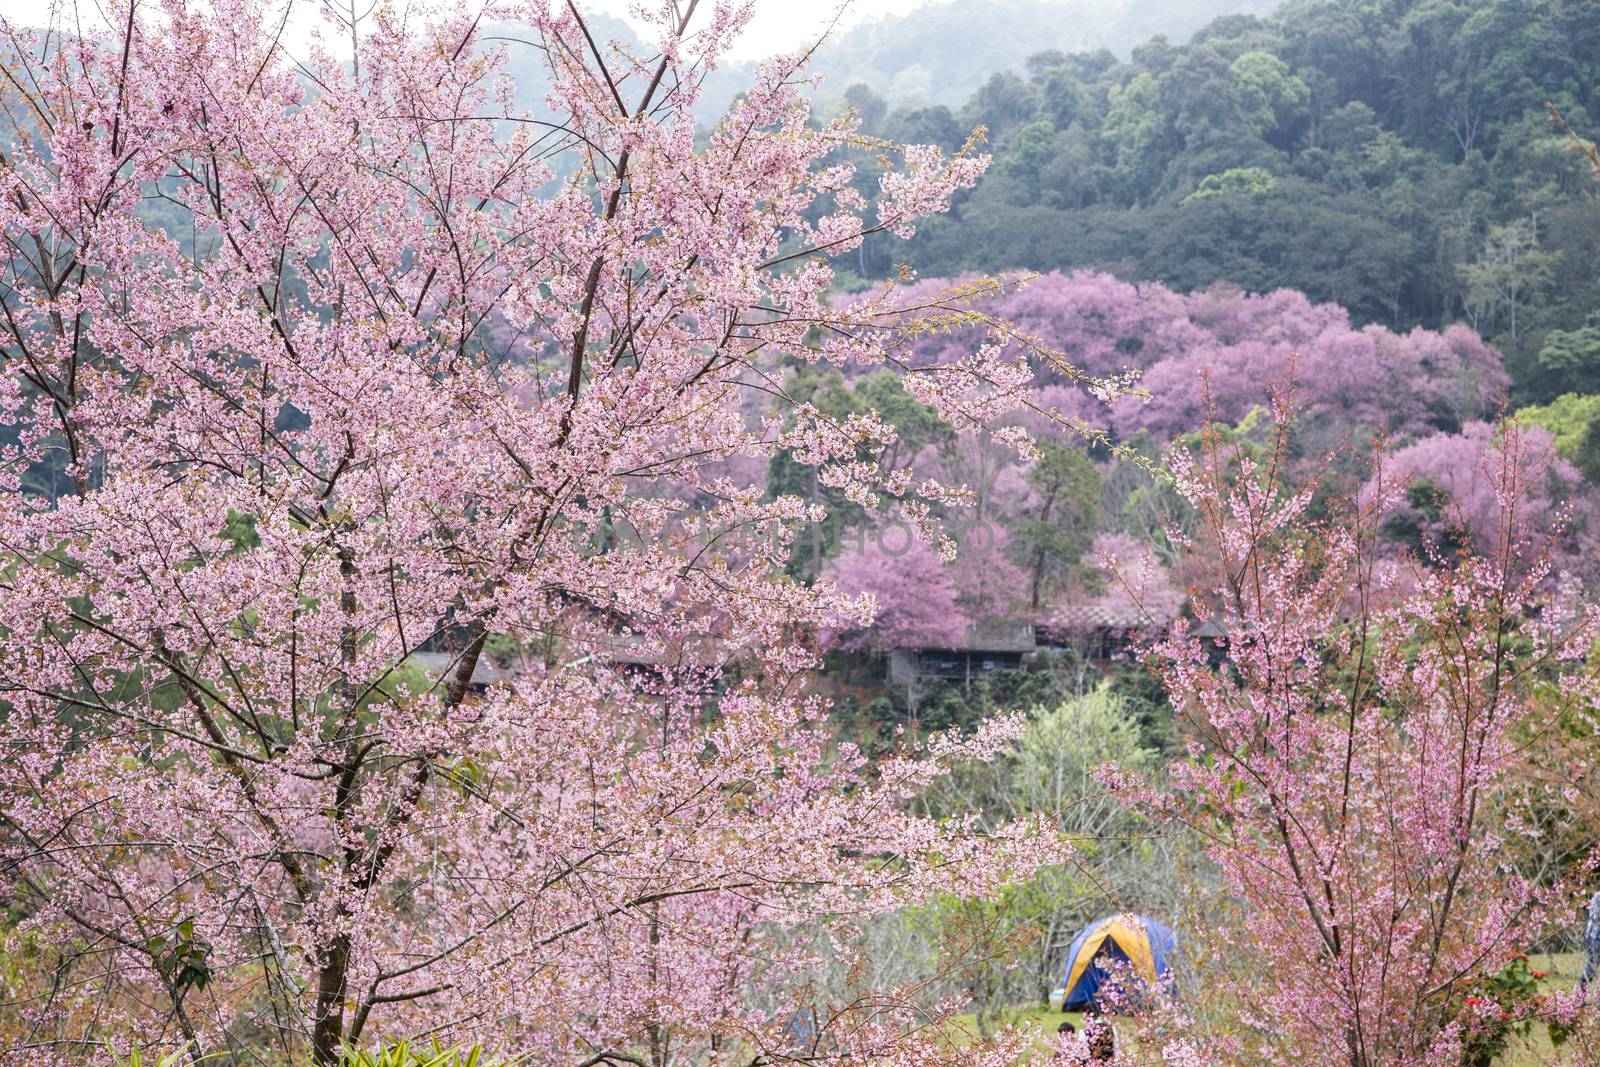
1060 518
1216 354
1396 150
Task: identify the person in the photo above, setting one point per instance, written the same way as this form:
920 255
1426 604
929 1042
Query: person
1068 1048
1591 943
1099 1036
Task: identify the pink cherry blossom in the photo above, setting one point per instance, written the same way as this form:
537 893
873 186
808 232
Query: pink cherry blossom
1353 758
1241 343
312 365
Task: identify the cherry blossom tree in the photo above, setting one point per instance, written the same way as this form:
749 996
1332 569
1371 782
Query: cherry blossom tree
297 448
1454 493
913 592
988 585
1352 760
1403 384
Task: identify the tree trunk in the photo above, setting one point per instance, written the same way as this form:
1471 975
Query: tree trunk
328 1030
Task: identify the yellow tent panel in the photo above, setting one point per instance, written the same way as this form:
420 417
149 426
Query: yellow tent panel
1129 935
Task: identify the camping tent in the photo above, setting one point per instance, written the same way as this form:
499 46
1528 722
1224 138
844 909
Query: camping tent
1142 944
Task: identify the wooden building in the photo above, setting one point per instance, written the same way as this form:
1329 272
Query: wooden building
984 647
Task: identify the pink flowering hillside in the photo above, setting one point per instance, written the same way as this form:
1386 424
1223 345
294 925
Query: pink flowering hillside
1237 344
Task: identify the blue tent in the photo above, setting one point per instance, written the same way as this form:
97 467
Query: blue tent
1140 943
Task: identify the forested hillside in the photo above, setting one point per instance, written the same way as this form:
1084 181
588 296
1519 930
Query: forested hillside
1392 156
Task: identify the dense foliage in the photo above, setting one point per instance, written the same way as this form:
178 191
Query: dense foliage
1024 542
497 545
1227 347
1393 157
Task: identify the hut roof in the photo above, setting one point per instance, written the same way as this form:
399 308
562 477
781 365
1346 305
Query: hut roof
1119 612
997 637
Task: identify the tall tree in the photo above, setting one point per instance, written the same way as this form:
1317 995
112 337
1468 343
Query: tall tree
1060 518
1510 273
231 812
1352 768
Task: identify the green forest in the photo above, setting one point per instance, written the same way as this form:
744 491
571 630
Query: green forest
1395 157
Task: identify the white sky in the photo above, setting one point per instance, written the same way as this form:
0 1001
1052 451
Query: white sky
779 25
784 25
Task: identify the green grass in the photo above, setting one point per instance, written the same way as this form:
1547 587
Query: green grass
1535 1049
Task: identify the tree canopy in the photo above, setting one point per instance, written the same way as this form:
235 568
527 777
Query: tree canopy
1393 156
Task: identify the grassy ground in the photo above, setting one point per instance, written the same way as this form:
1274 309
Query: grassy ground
1534 1050
964 1028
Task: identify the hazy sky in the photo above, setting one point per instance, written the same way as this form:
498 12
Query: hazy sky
779 25
782 25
